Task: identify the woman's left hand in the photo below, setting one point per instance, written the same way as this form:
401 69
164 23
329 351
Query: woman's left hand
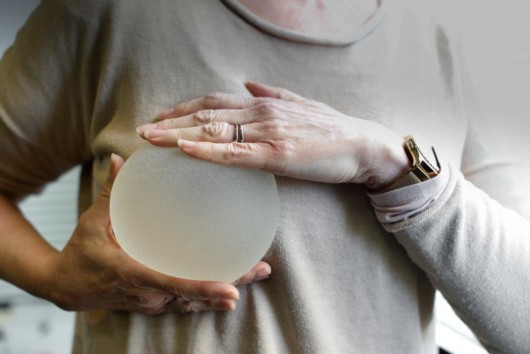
284 134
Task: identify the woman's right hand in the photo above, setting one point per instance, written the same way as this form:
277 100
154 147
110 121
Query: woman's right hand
93 272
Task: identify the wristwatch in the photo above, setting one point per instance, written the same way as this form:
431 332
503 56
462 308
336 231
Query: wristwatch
422 169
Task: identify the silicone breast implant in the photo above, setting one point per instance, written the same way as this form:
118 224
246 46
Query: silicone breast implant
193 219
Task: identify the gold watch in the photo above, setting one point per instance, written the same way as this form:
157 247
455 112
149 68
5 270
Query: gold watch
421 168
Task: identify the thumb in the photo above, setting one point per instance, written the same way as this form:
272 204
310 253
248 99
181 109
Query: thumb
100 209
116 162
102 202
261 90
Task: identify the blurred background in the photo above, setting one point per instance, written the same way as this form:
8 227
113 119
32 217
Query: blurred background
495 42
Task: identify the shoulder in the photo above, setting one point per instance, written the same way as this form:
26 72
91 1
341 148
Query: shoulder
79 8
89 12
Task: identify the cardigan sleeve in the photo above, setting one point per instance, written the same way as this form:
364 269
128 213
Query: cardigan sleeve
477 253
474 241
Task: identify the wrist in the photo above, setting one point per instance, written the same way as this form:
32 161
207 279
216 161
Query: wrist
43 283
35 274
26 259
386 160
54 281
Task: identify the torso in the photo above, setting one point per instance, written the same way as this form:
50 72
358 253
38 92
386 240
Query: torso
339 280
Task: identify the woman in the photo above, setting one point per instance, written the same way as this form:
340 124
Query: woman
344 279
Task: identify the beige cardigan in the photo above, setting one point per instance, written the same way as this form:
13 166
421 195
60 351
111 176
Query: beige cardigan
83 74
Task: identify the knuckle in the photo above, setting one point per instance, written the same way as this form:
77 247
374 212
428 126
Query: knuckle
154 302
204 117
209 151
146 300
234 151
273 125
184 306
211 100
182 108
282 149
164 124
214 129
280 153
268 109
196 306
175 134
193 306
172 288
250 101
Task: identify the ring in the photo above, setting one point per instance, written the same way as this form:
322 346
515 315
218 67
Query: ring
238 133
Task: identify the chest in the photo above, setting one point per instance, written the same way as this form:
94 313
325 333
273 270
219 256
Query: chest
401 75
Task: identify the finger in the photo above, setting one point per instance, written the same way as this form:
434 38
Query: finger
101 205
116 162
188 289
211 101
253 155
216 132
163 303
200 118
186 306
259 272
261 90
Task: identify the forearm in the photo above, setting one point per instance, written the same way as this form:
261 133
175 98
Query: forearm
478 254
25 257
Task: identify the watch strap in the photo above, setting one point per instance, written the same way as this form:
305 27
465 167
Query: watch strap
421 168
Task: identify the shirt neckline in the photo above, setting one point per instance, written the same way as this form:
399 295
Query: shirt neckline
352 37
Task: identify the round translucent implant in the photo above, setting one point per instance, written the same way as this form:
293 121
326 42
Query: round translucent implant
193 219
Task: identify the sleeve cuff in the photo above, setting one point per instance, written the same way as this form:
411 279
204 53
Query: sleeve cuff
403 203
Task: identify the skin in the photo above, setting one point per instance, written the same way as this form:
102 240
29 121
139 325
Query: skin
313 16
285 134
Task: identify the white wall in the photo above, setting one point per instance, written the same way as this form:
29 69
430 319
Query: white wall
495 37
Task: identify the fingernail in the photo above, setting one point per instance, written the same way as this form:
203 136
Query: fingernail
153 134
225 305
263 273
186 144
142 129
221 304
167 112
233 295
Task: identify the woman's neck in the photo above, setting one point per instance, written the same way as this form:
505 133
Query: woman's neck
333 17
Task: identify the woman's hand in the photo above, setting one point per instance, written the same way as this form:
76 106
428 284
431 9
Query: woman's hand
284 134
93 272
